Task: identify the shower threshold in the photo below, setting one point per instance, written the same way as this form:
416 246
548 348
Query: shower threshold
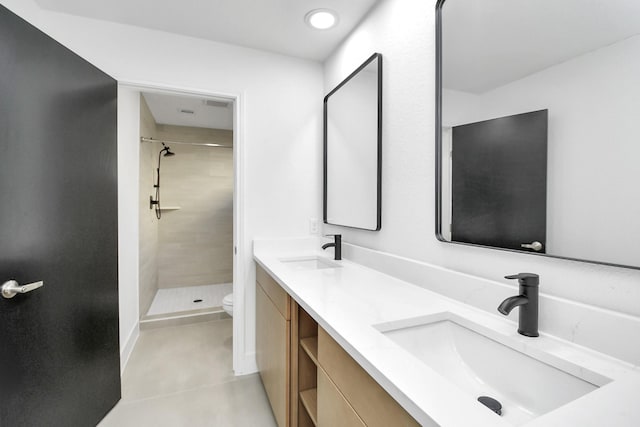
182 318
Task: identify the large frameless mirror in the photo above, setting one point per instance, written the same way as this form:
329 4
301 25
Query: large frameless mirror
352 148
538 138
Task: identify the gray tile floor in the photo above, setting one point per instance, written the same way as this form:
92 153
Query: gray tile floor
181 376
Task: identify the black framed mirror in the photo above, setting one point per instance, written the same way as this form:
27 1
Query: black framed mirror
537 137
353 149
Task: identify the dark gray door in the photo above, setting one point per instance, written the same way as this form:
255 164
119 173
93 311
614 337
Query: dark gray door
59 356
499 181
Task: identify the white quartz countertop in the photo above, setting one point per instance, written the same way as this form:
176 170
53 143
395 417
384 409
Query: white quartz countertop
349 300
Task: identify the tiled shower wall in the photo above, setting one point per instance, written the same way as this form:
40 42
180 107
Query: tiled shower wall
148 267
195 242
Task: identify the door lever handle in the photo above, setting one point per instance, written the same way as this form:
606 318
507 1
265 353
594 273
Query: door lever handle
11 288
536 246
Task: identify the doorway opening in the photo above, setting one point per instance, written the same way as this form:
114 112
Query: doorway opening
136 201
186 208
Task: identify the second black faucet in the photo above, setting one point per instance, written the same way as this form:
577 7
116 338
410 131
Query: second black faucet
337 245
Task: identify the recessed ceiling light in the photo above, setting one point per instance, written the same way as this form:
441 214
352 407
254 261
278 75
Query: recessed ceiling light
321 19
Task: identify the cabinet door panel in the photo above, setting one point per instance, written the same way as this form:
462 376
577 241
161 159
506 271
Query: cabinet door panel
272 355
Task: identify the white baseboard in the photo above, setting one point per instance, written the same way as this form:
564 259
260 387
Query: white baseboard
127 349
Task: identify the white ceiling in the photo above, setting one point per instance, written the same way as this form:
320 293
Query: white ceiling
272 25
166 111
490 43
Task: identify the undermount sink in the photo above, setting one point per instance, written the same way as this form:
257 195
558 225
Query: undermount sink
309 263
526 381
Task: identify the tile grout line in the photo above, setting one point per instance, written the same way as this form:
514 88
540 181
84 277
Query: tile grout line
238 378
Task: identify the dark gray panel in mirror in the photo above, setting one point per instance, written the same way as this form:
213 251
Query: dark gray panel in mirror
352 149
537 141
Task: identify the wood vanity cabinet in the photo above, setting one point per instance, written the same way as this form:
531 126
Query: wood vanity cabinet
273 341
311 381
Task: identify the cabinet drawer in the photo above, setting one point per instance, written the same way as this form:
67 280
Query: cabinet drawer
333 409
274 291
370 401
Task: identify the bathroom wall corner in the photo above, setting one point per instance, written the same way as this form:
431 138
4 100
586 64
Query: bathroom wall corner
127 348
128 226
148 223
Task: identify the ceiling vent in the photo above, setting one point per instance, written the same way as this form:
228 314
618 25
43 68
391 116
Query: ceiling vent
212 103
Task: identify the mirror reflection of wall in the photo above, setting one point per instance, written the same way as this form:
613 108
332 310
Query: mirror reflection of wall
352 141
581 62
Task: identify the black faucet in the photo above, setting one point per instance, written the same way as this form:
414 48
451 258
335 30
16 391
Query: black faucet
337 244
527 301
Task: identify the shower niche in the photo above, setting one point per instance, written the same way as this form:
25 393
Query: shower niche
186 207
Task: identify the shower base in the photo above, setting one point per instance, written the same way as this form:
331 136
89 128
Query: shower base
183 299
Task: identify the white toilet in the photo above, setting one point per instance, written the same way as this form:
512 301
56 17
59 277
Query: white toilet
227 304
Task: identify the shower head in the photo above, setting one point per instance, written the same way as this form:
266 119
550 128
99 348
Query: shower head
167 151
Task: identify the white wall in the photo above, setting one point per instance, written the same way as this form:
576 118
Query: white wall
128 223
281 119
592 149
404 32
